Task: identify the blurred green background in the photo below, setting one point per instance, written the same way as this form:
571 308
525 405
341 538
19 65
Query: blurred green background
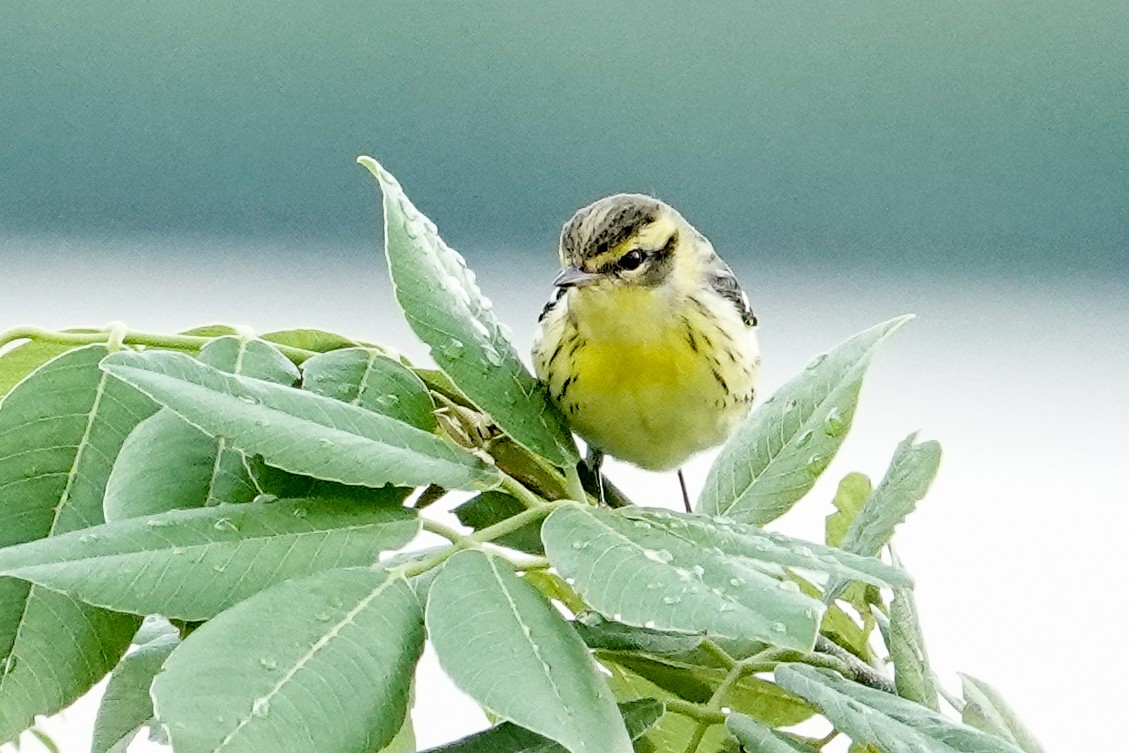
957 134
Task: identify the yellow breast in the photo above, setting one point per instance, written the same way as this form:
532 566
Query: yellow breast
644 381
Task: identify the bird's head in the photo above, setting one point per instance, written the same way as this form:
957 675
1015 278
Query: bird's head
626 240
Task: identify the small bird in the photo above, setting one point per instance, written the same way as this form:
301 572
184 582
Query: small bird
648 345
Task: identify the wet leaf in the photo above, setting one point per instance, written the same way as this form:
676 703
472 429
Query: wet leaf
193 564
503 645
372 380
780 450
985 709
322 663
446 309
299 431
60 430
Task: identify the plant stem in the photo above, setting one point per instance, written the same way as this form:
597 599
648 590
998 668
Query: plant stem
120 335
574 486
440 529
829 654
718 653
694 711
460 542
522 493
737 670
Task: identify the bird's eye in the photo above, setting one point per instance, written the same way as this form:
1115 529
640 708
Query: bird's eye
631 260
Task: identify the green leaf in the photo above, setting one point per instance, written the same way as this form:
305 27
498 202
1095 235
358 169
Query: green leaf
405 739
167 463
598 632
126 705
503 645
755 543
310 339
16 363
889 723
193 564
912 674
446 309
837 625
854 489
986 710
322 664
906 481
60 430
694 573
755 736
750 695
372 380
638 716
780 450
299 431
488 508
672 731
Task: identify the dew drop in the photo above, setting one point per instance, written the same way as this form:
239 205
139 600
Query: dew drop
805 438
260 708
248 399
323 616
815 362
268 663
493 357
789 586
790 406
300 512
580 544
698 570
8 665
834 423
671 599
219 568
660 555
736 582
324 442
225 524
727 606
452 349
650 624
778 627
157 523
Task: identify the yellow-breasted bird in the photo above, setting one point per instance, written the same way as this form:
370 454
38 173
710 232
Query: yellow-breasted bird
649 345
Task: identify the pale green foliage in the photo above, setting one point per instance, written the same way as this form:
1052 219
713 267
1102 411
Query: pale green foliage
265 494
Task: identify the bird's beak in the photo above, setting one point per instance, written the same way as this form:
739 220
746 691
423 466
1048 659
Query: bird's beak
574 277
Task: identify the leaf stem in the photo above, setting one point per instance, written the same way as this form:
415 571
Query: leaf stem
694 711
117 334
718 653
521 493
832 656
447 532
460 541
573 484
737 670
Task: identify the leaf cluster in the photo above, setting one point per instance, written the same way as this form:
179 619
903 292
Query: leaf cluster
245 513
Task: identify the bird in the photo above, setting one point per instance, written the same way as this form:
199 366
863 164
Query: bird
648 344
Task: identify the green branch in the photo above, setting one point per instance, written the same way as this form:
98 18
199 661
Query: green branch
118 335
490 533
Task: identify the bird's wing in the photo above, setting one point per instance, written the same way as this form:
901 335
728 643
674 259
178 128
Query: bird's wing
725 284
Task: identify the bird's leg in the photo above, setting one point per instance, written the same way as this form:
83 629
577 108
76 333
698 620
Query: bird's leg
594 461
685 494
